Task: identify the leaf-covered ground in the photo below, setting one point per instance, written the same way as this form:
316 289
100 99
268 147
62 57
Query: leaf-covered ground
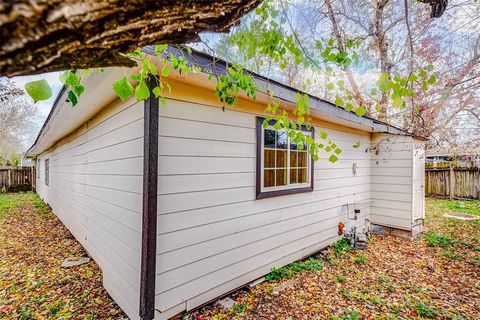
33 285
436 276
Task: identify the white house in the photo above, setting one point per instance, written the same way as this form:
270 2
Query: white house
182 204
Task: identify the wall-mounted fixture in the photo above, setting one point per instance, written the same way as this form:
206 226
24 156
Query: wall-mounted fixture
354 168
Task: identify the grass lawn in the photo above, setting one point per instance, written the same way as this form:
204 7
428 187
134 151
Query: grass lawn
33 285
436 276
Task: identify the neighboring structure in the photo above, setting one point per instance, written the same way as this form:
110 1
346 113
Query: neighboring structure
460 159
25 162
182 204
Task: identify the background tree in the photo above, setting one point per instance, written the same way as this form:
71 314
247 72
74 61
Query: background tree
19 122
393 39
273 40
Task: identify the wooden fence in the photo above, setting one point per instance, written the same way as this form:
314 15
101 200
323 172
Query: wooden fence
452 182
17 179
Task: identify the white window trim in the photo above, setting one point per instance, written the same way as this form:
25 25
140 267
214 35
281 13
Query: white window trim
288 186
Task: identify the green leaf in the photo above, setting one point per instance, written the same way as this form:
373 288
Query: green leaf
356 145
153 68
79 90
360 111
432 80
72 97
136 77
174 61
397 101
39 90
123 88
142 92
412 78
333 158
338 101
383 78
160 47
348 107
424 86
70 78
338 151
422 73
163 101
330 86
323 135
157 92
165 71
210 77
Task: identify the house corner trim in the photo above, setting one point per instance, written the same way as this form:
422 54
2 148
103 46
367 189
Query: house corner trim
149 209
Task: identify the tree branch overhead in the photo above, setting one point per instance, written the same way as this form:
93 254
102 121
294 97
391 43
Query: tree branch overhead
51 35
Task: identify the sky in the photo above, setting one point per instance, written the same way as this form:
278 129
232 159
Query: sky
53 80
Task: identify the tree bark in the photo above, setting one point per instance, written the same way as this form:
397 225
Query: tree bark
50 35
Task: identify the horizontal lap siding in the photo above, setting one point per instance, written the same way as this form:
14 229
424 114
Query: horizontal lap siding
391 168
212 234
95 189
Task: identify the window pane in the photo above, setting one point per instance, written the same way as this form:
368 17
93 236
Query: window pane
269 138
281 159
269 178
293 176
302 175
269 159
281 177
302 159
293 159
293 145
281 140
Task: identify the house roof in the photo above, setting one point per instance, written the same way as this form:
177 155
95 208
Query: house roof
98 94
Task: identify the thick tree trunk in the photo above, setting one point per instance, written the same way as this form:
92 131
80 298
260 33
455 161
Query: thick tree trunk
48 35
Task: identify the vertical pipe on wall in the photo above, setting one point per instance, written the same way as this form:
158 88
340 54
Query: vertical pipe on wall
149 211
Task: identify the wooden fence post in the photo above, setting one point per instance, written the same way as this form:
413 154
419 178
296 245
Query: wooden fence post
9 183
452 182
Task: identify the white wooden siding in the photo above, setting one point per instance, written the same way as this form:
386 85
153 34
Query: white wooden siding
95 189
392 170
212 234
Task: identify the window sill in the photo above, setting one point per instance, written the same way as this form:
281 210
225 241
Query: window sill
278 193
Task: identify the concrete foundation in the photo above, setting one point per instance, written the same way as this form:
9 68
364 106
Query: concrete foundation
411 234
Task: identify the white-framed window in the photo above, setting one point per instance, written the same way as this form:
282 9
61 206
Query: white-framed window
283 167
39 162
